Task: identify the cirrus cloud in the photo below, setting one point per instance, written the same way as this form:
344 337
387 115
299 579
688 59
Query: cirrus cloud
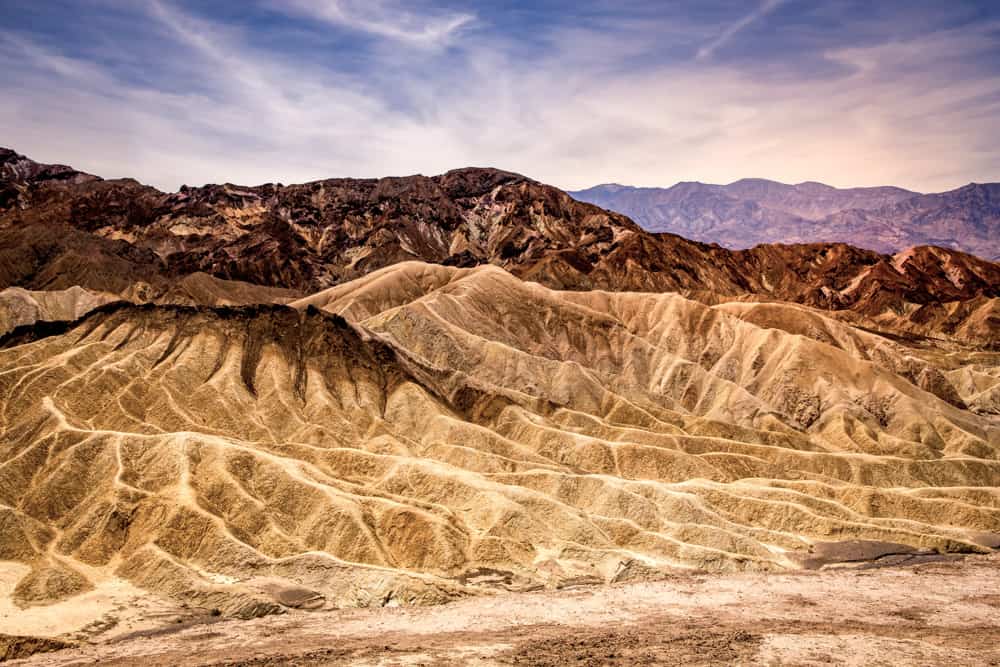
603 94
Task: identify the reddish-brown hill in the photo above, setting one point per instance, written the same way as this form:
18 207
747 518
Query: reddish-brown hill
60 227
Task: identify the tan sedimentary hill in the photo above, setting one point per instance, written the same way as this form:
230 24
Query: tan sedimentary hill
201 289
21 307
426 432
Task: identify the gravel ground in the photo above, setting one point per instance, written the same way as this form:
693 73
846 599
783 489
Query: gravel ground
927 613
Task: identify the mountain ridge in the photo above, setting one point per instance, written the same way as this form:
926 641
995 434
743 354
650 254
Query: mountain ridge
750 212
60 228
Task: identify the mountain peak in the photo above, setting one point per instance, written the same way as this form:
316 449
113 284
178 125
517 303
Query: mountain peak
757 182
991 189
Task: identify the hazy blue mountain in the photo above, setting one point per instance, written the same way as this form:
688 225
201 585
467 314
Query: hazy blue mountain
753 210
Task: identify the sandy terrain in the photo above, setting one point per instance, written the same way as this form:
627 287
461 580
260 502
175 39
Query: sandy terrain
111 608
930 613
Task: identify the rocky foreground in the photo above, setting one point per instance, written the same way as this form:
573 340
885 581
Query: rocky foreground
941 612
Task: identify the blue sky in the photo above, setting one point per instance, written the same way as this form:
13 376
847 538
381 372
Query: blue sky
571 93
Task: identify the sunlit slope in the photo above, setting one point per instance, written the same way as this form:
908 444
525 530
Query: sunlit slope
464 430
19 307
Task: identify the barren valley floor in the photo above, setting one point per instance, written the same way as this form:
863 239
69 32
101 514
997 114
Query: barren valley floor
942 612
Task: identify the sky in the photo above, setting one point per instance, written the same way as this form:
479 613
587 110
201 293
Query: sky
171 92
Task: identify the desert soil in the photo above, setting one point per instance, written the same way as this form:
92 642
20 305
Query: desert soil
945 612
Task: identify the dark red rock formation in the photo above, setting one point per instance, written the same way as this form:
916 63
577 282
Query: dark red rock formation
59 227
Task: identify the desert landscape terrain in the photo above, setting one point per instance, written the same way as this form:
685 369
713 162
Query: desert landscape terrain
421 333
935 612
267 425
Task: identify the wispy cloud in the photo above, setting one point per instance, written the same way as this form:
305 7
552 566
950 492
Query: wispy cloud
575 108
384 18
731 31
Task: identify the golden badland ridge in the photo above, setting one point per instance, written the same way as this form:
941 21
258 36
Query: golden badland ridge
426 432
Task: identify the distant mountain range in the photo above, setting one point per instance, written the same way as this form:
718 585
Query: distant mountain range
753 211
61 228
